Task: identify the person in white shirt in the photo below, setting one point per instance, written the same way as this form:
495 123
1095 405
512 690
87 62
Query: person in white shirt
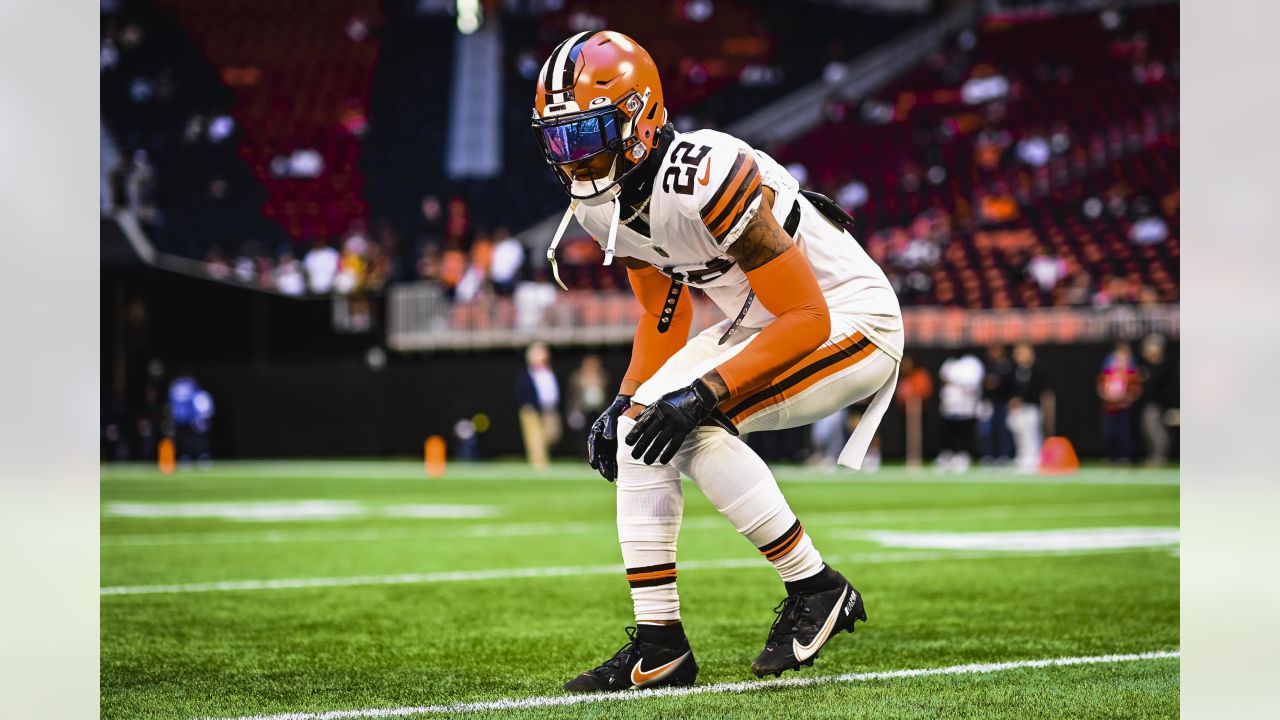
508 258
961 377
321 263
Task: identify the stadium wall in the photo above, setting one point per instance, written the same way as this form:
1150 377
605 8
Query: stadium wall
286 385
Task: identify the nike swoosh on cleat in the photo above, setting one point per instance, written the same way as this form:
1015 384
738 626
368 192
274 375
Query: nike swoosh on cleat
804 652
640 677
706 176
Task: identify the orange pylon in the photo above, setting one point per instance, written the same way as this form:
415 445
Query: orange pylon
167 459
433 456
1058 457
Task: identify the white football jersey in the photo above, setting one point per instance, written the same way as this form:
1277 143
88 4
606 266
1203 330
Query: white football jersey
707 189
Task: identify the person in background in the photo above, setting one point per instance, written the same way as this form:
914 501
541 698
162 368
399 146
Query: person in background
962 376
588 393
1119 388
993 425
1028 396
538 397
914 388
321 263
191 412
508 259
827 436
1154 374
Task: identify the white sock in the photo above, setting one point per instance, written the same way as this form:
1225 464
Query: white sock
740 485
650 507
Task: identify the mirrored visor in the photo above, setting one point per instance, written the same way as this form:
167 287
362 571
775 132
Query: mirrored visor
581 137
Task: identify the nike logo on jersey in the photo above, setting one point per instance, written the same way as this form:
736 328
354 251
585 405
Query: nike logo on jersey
804 652
639 676
706 176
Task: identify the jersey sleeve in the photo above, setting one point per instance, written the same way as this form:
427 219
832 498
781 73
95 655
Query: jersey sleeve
732 195
716 182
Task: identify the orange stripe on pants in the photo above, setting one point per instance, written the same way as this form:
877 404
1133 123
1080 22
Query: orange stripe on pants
790 387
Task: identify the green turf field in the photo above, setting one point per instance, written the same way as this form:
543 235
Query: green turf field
293 589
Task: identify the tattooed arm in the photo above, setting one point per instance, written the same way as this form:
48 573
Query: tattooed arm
784 283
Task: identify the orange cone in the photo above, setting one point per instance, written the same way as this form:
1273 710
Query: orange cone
167 460
433 454
1058 457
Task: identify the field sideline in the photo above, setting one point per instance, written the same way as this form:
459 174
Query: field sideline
315 589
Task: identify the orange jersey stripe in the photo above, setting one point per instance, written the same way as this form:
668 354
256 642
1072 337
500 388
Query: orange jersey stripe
739 189
741 201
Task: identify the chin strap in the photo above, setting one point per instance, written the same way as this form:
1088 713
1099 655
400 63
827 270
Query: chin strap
555 241
610 247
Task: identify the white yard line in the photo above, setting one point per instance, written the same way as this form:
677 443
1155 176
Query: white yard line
520 529
553 571
1022 540
732 687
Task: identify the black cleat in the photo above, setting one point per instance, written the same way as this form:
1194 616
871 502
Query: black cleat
639 664
804 624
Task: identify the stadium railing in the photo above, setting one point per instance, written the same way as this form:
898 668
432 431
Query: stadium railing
421 317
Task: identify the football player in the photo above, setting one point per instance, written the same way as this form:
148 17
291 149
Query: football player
811 326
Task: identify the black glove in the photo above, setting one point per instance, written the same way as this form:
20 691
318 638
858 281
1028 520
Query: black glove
662 427
602 441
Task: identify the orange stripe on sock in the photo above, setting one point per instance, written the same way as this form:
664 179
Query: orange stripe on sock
786 548
651 575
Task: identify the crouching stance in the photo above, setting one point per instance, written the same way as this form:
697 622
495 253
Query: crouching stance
811 326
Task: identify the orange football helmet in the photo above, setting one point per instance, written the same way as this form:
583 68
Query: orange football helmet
599 92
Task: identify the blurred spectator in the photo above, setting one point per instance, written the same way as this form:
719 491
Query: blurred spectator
245 266
989 147
151 419
532 298
458 226
828 438
453 265
1029 396
852 195
538 396
1046 269
1078 292
470 284
216 265
914 388
508 260
353 266
191 412
288 274
993 423
321 263
432 233
1149 230
429 265
1033 150
1119 388
962 376
588 392
140 187
1155 399
997 205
